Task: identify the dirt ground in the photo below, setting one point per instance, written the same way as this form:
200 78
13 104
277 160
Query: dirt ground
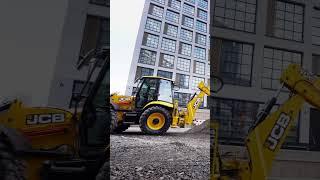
176 155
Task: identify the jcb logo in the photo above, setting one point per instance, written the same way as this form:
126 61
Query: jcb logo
277 131
196 103
33 119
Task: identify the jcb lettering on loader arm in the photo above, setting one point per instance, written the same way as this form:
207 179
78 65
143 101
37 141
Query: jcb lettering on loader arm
197 103
277 131
33 119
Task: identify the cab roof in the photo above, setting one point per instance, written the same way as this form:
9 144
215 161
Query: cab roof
156 77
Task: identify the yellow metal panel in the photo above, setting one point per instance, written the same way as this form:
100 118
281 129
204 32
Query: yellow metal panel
41 129
161 103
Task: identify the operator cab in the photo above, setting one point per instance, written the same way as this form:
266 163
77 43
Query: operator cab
153 88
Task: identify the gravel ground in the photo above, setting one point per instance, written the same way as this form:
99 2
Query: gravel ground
176 155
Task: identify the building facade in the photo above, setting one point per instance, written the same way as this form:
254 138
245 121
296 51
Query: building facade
252 42
42 43
173 42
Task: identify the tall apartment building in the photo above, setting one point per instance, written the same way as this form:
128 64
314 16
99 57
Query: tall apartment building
253 41
41 44
173 42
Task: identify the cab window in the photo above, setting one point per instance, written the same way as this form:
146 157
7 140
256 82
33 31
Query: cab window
165 91
147 93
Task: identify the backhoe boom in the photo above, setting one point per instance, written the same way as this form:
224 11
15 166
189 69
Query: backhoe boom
269 131
192 107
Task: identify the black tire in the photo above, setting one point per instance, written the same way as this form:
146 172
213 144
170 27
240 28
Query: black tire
113 121
144 117
11 168
121 128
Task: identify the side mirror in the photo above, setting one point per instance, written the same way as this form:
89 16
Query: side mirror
216 84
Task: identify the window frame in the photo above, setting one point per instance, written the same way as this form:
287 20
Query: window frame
213 38
281 49
269 32
101 18
244 21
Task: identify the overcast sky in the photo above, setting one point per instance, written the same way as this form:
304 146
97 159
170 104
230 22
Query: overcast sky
125 18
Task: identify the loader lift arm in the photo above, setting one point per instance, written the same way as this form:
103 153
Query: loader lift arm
195 102
192 106
269 131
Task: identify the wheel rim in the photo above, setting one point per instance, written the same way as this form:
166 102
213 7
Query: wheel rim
156 121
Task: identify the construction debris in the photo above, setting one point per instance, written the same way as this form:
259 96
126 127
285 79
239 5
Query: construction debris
202 128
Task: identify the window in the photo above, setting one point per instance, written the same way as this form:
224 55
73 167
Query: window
187 21
159 1
165 74
168 45
77 87
182 81
188 9
165 91
156 11
199 67
235 61
101 2
183 98
96 34
170 30
186 35
166 61
287 22
234 116
203 4
315 26
153 25
201 39
202 15
208 69
190 1
236 14
183 64
201 26
172 16
274 61
147 57
142 71
195 82
200 53
150 40
185 49
316 64
175 4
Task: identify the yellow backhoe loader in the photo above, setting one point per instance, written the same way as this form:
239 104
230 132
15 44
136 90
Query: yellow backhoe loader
269 130
50 143
153 107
